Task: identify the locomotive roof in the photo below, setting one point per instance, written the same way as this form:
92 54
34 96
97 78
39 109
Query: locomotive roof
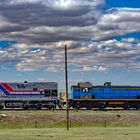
30 82
114 86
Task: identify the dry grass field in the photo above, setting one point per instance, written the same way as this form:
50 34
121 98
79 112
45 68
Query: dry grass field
56 118
80 133
84 125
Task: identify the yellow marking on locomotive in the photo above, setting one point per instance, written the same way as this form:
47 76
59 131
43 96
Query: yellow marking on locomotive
86 97
116 103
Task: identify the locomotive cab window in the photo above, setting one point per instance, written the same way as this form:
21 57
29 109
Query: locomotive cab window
46 93
85 90
34 89
54 92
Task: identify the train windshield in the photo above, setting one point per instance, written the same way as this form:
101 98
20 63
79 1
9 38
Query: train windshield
47 93
54 93
85 90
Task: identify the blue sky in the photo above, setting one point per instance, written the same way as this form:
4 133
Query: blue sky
123 3
103 39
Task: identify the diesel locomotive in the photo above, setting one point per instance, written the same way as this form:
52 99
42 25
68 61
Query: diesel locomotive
40 95
29 95
85 95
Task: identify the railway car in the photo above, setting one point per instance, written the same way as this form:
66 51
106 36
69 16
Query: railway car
102 96
29 95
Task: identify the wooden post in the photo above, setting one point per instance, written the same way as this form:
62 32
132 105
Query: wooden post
66 80
105 124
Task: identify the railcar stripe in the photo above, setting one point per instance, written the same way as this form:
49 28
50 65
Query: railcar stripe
4 90
8 88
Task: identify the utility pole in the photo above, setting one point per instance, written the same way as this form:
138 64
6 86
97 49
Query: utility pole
66 80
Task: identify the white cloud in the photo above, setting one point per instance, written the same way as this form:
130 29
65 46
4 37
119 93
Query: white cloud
20 2
130 40
94 68
100 56
43 27
5 23
87 68
107 25
99 68
41 79
119 21
59 3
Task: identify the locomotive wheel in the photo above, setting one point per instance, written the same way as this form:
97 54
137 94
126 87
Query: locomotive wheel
126 106
88 108
1 107
78 106
25 108
51 108
102 107
137 108
39 107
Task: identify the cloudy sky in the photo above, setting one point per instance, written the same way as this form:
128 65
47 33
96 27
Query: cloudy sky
102 36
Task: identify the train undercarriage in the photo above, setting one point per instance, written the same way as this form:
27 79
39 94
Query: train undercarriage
30 104
102 104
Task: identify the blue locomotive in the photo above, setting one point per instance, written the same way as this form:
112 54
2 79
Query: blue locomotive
89 96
